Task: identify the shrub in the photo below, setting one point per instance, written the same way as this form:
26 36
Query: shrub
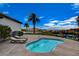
47 33
18 33
4 31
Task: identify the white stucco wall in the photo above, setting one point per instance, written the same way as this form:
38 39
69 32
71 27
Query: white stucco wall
12 24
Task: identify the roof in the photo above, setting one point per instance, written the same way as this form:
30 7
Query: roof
1 14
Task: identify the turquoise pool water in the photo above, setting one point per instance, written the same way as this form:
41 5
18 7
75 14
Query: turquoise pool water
43 45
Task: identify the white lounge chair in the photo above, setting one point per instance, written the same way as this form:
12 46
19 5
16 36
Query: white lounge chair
17 40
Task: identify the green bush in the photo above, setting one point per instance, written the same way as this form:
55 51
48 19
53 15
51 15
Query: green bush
46 33
4 31
20 33
17 33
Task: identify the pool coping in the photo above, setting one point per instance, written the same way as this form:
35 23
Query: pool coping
68 48
45 52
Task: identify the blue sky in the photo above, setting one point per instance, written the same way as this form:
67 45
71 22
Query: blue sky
51 15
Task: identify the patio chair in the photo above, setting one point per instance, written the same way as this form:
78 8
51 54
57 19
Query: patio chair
17 40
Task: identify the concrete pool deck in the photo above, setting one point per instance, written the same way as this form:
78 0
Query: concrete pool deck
69 48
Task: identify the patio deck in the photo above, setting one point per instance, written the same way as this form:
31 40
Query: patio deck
69 48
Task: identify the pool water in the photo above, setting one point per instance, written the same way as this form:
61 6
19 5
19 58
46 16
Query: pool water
43 45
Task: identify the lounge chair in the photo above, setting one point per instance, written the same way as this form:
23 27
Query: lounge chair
17 40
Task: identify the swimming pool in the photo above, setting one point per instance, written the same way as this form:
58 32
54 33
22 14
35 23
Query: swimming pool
43 45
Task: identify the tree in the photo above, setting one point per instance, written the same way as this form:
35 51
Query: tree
27 26
34 20
77 19
5 31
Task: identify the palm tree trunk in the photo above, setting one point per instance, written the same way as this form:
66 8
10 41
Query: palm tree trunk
34 29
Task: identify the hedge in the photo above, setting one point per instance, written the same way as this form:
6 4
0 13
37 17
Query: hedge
4 31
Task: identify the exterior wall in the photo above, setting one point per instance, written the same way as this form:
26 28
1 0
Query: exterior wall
12 24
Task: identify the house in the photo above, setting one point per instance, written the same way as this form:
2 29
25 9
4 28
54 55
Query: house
8 21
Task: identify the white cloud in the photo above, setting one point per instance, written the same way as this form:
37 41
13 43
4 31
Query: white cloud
5 12
66 24
70 26
54 21
41 17
68 21
42 27
25 19
75 6
61 23
71 19
49 24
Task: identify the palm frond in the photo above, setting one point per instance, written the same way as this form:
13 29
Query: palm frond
26 25
34 20
30 18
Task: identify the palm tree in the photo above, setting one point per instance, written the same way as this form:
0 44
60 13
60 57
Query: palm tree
27 26
33 17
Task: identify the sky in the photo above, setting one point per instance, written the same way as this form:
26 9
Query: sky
53 16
